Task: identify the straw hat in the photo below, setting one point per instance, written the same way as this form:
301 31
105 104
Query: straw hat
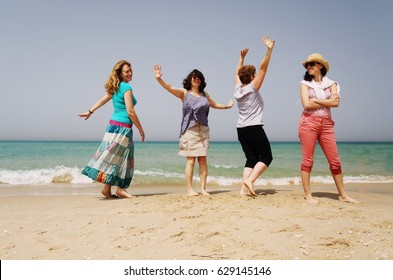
317 58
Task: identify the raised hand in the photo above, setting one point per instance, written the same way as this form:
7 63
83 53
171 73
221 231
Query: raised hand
230 104
268 42
243 53
157 71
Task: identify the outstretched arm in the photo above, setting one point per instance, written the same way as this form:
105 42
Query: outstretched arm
216 105
264 63
96 106
178 92
243 54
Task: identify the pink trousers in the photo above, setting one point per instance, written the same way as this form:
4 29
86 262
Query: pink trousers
312 129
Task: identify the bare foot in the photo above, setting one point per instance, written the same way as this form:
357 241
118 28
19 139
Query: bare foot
347 199
244 190
108 194
204 192
311 200
123 193
192 193
250 187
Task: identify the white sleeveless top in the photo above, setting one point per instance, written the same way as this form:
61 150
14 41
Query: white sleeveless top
250 105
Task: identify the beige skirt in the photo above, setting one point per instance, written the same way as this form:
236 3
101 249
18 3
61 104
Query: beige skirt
195 141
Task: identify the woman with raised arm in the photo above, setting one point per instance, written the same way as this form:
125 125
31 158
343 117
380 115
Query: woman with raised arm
194 130
251 135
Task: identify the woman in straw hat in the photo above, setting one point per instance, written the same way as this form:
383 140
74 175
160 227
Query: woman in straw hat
318 94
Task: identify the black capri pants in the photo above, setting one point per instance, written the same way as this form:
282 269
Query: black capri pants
255 145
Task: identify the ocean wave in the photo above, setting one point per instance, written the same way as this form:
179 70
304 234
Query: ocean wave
225 166
58 174
287 181
158 173
368 179
362 179
72 175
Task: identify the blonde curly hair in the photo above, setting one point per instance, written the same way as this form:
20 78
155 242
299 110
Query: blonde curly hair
112 84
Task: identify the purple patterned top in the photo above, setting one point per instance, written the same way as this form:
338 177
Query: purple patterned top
195 111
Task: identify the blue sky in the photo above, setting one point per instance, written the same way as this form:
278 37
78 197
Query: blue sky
56 56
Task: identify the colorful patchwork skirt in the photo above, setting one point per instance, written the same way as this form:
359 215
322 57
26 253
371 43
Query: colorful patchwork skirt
113 162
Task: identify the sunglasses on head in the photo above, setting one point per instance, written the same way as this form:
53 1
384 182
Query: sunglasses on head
311 64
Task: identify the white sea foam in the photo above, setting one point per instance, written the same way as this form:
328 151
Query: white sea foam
158 173
286 181
72 175
225 166
58 174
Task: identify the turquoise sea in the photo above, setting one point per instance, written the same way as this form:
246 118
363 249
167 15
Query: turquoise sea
49 163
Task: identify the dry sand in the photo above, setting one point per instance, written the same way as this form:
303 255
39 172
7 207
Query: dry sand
157 225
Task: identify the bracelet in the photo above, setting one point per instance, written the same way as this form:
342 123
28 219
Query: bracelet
91 112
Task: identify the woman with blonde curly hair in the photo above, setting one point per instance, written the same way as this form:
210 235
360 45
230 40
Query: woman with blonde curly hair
113 162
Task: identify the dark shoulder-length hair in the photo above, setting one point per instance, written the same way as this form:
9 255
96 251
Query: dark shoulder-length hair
195 73
307 77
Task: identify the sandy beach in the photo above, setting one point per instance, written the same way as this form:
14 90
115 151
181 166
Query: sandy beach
165 225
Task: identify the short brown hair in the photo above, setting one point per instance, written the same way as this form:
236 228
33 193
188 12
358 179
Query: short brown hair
245 73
